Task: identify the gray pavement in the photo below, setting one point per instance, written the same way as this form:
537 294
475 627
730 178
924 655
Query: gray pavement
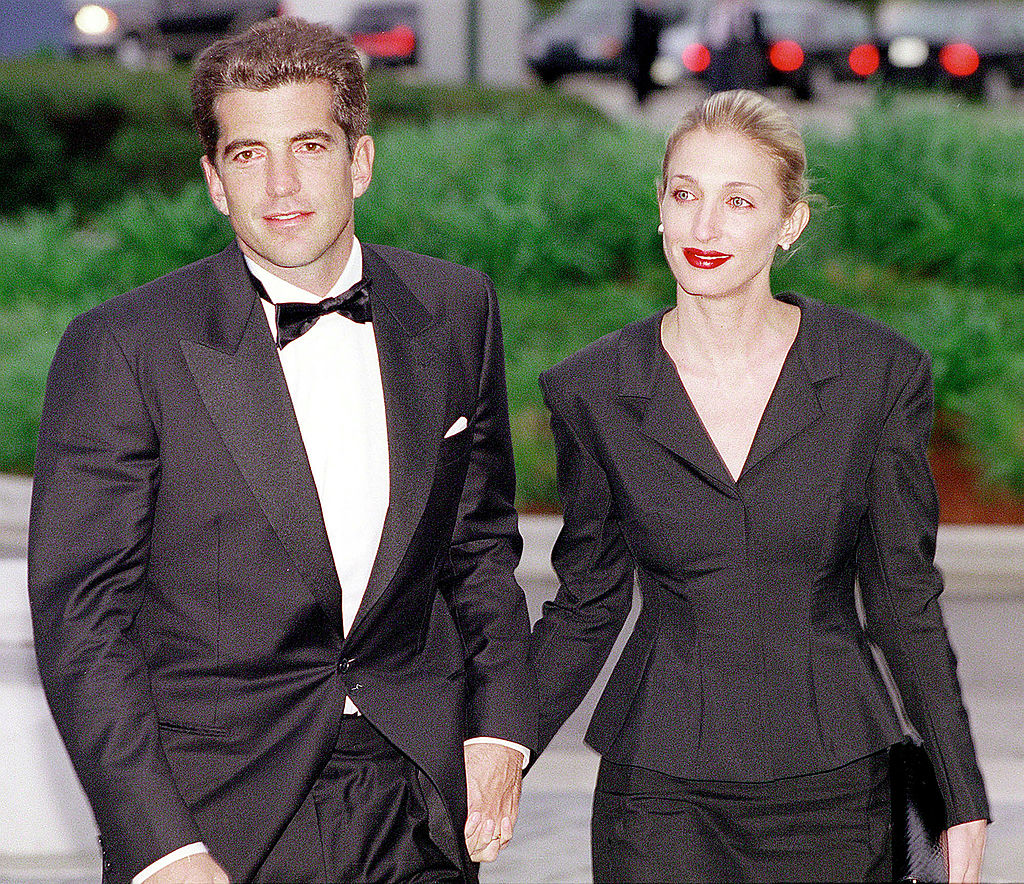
984 608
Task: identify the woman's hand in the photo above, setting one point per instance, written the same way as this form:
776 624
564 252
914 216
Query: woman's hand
964 846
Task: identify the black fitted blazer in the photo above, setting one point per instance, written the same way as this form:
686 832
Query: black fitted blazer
184 596
748 661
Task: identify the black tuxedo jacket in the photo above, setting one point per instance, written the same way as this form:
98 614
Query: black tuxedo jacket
185 601
749 661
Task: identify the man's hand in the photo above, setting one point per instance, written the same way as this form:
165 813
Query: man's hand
494 778
200 868
964 845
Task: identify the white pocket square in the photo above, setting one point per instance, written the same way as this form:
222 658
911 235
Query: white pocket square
457 427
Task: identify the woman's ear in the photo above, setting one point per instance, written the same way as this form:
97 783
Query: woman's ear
794 225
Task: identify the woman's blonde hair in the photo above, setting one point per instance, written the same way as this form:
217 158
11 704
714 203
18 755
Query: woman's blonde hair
760 120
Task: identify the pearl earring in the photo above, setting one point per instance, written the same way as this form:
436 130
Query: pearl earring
785 246
661 228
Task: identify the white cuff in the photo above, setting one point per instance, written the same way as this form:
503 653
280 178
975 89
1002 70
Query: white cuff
508 744
173 856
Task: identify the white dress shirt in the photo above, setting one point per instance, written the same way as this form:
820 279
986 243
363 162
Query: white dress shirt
333 377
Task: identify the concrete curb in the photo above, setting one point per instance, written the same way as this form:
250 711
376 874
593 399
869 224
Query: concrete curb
15 493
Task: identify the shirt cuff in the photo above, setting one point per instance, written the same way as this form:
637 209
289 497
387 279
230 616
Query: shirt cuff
173 856
508 744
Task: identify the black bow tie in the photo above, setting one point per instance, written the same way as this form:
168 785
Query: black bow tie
295 318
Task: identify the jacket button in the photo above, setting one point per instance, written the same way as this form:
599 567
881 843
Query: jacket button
344 664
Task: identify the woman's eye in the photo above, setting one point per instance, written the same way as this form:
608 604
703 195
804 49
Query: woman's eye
682 195
738 202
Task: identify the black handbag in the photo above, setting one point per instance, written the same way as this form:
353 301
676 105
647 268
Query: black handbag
918 816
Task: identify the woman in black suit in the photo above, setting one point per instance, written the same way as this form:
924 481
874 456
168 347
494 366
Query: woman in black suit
751 457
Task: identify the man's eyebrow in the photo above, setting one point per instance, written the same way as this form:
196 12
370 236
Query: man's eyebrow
239 143
314 134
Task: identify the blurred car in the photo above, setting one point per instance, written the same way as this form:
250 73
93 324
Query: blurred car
587 36
385 32
810 43
141 33
975 48
188 26
122 29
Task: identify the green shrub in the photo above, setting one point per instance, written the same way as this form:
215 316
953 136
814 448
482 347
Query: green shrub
935 193
86 133
561 212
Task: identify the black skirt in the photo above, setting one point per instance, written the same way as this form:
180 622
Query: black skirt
830 826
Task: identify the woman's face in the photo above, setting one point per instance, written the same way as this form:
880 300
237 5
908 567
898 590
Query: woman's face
723 214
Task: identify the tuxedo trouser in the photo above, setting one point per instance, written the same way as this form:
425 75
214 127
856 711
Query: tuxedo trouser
830 826
364 820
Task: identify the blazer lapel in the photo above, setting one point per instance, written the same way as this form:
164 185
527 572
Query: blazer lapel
411 367
794 404
240 380
669 418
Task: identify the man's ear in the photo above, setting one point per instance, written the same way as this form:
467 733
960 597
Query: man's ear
214 185
362 165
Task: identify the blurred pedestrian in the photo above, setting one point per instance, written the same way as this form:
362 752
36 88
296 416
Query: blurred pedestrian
738 46
272 539
641 47
758 461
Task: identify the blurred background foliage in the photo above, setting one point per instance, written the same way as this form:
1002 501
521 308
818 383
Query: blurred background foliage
924 229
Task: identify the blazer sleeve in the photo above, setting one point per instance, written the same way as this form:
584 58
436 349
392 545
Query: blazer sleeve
900 587
575 634
488 604
96 476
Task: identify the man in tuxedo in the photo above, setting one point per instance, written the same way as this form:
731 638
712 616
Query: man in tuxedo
272 541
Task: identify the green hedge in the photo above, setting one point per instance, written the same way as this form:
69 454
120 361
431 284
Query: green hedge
560 210
929 193
86 133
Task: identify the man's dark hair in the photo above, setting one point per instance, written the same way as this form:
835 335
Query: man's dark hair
274 53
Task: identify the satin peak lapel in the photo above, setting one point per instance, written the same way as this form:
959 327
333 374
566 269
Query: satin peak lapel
247 399
415 405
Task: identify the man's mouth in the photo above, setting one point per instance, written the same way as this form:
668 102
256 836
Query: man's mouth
286 217
705 260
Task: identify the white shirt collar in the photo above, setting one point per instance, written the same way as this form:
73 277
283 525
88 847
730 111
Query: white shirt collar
280 291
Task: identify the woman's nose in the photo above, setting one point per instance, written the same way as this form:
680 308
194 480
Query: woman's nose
707 223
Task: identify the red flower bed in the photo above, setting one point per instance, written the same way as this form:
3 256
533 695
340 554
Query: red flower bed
964 499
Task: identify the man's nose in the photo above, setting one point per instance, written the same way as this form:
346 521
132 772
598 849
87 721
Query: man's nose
282 175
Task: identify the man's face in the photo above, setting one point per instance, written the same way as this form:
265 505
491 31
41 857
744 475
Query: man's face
284 176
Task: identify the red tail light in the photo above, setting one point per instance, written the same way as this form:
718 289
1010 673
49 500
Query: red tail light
696 58
864 59
399 42
959 59
786 56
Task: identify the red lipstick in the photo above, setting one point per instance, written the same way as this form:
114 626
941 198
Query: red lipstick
705 260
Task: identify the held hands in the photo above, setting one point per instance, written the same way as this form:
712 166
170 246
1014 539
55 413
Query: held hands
200 868
494 778
964 845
